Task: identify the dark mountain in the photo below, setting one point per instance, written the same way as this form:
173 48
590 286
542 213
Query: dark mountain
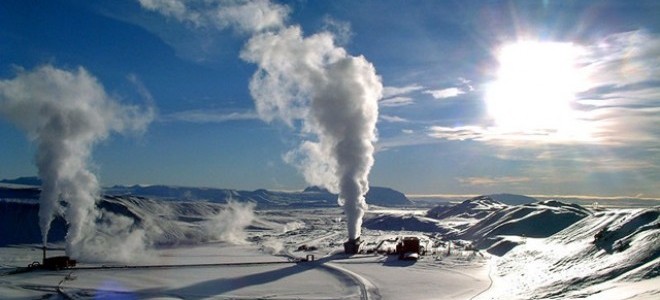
34 181
386 197
19 224
310 197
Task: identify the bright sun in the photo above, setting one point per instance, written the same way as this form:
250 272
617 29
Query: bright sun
536 83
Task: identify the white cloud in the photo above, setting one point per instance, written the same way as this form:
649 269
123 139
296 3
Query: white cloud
340 29
445 93
244 16
209 116
492 181
622 59
392 119
460 133
396 101
466 83
141 88
391 91
494 135
407 138
172 8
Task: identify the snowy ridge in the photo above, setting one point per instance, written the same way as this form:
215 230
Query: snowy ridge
478 208
574 263
541 219
405 222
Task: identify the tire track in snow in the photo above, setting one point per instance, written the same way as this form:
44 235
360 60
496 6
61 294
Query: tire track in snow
490 285
367 289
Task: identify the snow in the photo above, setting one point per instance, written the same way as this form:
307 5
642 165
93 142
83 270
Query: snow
280 280
532 251
333 277
573 264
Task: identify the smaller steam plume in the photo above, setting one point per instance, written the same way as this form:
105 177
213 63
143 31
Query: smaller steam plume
66 113
229 224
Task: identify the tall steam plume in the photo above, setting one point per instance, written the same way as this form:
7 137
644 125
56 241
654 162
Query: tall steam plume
66 113
335 95
307 81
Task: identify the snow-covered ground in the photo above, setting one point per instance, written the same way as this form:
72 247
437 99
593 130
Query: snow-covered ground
534 251
263 267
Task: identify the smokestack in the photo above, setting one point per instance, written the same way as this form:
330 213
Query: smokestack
353 246
43 261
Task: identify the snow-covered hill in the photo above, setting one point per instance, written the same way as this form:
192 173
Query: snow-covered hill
611 254
476 208
541 219
407 222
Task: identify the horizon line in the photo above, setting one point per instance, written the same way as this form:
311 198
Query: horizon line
580 197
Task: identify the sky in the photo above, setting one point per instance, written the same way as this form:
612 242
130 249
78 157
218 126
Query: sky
528 97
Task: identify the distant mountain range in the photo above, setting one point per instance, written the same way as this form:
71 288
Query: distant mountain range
309 197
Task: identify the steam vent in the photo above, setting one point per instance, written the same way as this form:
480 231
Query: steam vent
352 246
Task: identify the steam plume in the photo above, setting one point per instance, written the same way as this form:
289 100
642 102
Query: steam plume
66 113
307 81
335 95
229 225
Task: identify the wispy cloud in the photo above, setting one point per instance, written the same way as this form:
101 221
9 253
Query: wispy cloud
445 93
460 133
622 101
141 88
391 91
392 119
623 58
251 16
397 96
396 101
492 181
340 29
408 138
523 138
209 116
619 102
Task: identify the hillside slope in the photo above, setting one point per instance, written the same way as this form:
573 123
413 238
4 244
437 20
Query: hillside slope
607 252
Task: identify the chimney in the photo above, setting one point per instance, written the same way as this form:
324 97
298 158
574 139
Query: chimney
44 250
352 246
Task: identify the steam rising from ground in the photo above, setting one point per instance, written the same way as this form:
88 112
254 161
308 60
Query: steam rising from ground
334 95
305 81
229 225
66 113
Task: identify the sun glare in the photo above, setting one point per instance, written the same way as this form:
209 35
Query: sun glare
536 83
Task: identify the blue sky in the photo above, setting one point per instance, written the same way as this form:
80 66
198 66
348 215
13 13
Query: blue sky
573 110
